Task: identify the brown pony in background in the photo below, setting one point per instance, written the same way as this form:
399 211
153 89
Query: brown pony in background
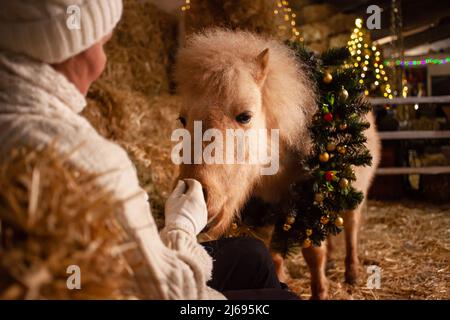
238 80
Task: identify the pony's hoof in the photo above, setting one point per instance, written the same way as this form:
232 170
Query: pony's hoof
320 292
351 276
351 271
320 296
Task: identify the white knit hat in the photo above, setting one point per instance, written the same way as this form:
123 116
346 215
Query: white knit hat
55 30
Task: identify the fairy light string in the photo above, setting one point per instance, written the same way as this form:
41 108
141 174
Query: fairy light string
417 63
186 6
367 58
284 9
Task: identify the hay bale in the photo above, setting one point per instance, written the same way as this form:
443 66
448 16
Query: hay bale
252 15
53 216
315 32
142 125
141 51
342 23
315 13
339 40
318 47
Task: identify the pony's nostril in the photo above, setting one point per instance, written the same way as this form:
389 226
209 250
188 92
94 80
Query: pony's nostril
205 194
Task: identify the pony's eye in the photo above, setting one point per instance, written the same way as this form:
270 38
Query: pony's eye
182 120
244 117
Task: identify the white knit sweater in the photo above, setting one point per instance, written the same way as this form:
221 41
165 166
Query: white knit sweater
39 106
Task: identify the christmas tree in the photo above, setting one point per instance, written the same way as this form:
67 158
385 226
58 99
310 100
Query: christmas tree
337 132
367 59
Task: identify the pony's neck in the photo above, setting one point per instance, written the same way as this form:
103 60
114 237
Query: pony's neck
290 171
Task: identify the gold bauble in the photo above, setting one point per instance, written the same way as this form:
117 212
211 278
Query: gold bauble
318 197
343 95
339 222
287 227
343 183
331 147
324 157
290 220
327 78
343 126
341 149
309 232
324 220
307 243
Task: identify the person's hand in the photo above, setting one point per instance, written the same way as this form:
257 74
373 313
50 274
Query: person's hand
186 207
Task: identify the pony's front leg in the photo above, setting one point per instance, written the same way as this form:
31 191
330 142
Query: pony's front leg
316 258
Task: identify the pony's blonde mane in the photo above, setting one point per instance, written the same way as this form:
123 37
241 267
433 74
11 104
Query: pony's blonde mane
210 63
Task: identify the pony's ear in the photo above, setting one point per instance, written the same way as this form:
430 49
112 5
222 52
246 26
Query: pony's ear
262 66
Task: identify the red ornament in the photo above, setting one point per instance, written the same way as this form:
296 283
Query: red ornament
328 117
329 176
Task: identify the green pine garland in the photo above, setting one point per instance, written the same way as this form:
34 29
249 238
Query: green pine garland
338 140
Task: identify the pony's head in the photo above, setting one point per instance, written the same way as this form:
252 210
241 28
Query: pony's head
237 80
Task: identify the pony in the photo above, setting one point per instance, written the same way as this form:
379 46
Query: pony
240 80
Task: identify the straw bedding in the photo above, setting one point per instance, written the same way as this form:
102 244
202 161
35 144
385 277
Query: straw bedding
409 241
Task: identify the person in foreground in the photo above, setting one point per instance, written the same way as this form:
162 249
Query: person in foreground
46 69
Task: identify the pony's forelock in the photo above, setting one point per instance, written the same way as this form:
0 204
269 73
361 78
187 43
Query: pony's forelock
210 63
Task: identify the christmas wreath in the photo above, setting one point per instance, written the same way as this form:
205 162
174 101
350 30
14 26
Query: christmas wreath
337 133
